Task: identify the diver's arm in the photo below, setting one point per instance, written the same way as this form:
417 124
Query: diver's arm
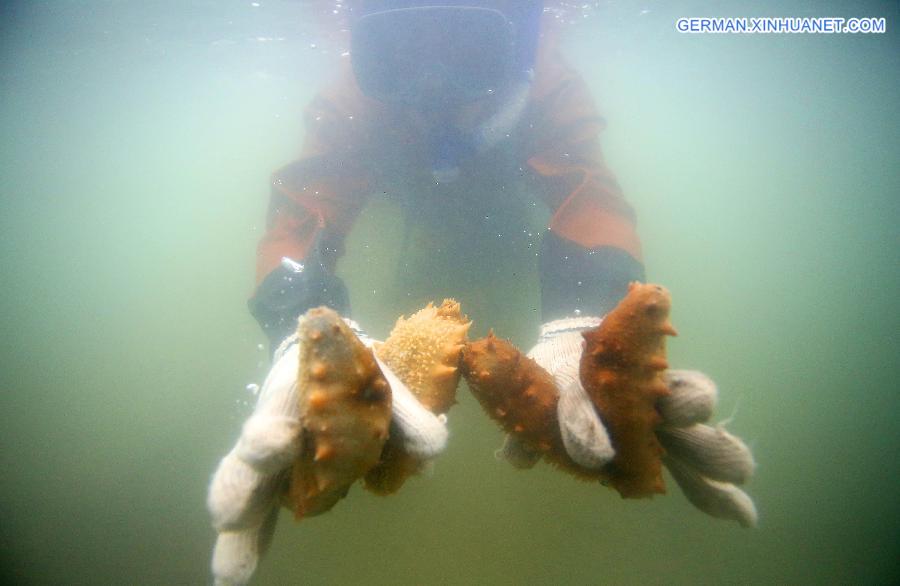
293 287
589 253
314 202
591 250
296 257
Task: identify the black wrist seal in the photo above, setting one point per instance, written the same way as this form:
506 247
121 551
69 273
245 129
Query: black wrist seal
574 278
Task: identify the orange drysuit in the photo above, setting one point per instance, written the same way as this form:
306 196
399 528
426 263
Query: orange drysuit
558 144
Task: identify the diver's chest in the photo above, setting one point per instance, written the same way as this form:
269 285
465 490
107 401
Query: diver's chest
476 240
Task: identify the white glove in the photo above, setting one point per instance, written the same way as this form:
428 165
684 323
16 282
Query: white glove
706 461
558 351
244 491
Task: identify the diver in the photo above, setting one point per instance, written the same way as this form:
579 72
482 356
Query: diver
437 93
471 110
441 93
450 97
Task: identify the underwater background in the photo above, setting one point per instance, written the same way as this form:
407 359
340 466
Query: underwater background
137 143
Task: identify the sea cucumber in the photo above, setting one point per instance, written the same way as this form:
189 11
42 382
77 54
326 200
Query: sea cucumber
424 352
345 410
621 369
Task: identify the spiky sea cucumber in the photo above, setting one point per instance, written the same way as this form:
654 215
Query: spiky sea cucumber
621 369
517 393
345 411
424 352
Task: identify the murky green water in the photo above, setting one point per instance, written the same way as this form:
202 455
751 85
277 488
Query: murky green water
137 141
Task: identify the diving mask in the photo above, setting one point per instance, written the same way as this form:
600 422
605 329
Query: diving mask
433 54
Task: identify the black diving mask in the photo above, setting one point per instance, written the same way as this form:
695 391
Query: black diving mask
433 55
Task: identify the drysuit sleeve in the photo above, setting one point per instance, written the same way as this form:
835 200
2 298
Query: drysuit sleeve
313 204
590 251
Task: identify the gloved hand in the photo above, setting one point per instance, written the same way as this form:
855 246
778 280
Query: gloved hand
245 489
243 493
558 351
706 461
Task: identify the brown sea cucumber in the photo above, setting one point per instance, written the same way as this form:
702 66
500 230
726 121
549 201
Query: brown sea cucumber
424 352
345 410
621 369
520 396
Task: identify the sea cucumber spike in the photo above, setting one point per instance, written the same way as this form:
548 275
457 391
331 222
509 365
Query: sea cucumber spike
668 329
658 363
440 371
317 399
659 388
323 452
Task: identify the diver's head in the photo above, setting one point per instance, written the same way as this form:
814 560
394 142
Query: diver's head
444 53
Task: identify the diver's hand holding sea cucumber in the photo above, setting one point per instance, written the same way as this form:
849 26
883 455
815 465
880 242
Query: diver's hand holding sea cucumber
558 351
653 416
332 412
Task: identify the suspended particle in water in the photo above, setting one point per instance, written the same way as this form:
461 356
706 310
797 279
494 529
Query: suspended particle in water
253 389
